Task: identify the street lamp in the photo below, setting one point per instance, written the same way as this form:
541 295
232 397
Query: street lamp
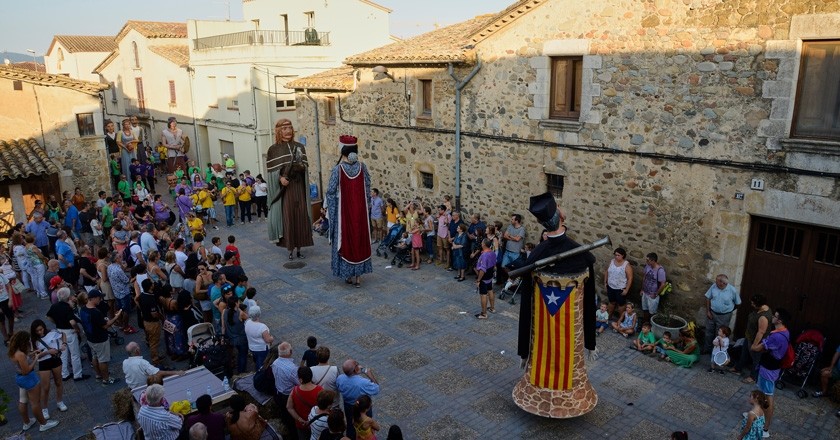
33 58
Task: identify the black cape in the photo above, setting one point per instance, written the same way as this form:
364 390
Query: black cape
574 264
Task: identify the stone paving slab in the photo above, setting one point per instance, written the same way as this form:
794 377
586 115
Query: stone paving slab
446 375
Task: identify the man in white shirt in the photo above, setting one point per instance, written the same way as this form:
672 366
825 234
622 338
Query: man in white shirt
147 240
138 370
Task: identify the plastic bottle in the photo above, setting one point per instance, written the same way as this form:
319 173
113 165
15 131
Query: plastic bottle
209 392
226 384
190 399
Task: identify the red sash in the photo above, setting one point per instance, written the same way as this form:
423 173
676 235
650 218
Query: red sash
354 227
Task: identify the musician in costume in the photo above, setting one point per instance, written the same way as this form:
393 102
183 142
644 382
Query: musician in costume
289 213
347 209
556 321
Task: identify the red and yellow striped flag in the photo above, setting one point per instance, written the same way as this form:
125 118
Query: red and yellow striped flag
552 349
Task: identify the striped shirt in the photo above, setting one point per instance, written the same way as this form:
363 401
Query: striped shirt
280 155
158 423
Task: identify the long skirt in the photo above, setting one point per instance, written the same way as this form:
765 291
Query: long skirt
175 342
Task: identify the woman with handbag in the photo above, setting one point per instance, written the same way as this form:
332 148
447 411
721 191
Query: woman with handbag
233 327
37 266
50 343
25 360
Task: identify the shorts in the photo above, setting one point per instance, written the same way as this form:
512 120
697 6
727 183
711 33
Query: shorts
126 304
101 351
615 296
766 386
443 242
49 364
211 213
650 305
107 291
206 305
5 310
485 288
376 223
604 325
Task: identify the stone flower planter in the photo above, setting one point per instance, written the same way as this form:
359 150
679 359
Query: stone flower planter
661 323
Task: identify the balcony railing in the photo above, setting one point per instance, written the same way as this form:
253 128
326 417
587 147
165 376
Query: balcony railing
309 37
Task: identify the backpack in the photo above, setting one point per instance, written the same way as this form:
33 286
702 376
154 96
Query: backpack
771 363
788 358
264 381
127 257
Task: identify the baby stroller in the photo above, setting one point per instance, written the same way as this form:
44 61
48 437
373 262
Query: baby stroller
209 350
515 284
390 240
808 349
401 254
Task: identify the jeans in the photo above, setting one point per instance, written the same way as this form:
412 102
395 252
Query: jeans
259 357
241 358
244 210
262 205
73 352
229 216
430 246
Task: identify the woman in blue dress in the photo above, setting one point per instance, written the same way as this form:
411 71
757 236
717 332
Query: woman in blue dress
459 261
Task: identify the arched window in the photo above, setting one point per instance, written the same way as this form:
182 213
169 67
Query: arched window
60 58
136 55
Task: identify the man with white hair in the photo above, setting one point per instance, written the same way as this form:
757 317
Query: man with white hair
721 301
157 422
355 382
285 379
62 314
198 432
138 370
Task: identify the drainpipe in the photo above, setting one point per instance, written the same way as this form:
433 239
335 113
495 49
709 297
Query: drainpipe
459 85
317 144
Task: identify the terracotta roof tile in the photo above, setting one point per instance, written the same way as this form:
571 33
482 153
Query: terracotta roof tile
444 45
177 53
24 158
154 29
502 19
85 43
50 80
340 78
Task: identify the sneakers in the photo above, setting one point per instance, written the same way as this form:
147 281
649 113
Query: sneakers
26 426
46 413
765 434
818 394
491 310
109 381
49 425
43 296
61 406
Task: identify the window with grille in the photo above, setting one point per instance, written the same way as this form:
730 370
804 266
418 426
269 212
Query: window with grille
141 97
427 180
85 123
780 240
817 108
172 100
566 75
828 249
554 184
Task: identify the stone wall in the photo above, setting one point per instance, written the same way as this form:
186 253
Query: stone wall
664 82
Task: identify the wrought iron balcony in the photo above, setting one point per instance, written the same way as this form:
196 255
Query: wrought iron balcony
309 37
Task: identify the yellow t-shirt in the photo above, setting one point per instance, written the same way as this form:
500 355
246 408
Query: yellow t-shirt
195 225
204 199
162 151
391 214
244 192
228 196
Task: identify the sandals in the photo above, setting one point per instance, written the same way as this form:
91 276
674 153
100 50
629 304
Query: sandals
461 279
481 316
491 310
348 281
358 285
748 380
291 255
299 255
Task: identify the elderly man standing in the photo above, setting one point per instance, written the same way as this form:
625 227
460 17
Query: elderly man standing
38 228
285 378
355 382
157 422
721 301
138 370
62 314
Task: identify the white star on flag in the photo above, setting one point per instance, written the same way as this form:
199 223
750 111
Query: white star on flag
552 299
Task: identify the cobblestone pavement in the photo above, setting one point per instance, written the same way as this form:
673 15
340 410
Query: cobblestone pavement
447 375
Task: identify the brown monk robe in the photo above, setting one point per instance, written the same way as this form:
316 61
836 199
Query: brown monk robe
289 215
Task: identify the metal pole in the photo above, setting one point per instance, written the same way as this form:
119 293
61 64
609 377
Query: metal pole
459 85
555 258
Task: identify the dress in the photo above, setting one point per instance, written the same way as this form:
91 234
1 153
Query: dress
125 155
347 199
458 260
756 430
289 216
685 360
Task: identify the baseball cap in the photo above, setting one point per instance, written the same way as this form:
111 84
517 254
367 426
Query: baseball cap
94 293
226 288
55 281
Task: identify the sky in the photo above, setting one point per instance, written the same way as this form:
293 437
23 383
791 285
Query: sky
31 24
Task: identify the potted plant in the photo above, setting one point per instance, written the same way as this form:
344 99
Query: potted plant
665 320
4 406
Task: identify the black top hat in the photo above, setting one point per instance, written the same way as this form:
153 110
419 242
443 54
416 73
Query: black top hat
543 207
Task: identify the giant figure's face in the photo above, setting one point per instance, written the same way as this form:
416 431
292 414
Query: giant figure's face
286 131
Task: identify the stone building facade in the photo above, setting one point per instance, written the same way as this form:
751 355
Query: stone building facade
684 134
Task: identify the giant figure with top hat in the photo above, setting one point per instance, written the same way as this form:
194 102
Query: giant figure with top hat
556 323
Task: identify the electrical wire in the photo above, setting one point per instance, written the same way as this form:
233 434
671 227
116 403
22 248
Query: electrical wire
740 165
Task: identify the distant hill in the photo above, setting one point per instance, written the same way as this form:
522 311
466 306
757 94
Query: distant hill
20 57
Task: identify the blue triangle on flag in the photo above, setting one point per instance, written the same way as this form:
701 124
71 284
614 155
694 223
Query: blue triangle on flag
554 297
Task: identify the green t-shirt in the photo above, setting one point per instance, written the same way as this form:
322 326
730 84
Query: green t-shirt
107 216
648 338
115 167
124 188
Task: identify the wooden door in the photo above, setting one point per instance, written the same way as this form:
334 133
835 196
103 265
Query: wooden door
796 267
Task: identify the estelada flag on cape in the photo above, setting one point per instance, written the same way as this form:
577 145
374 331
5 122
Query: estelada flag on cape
552 349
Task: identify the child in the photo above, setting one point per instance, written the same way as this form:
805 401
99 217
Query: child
602 319
231 247
664 344
322 224
752 426
309 358
115 170
241 287
646 342
365 426
215 249
721 345
249 298
626 323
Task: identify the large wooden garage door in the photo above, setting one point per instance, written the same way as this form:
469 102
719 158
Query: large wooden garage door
796 267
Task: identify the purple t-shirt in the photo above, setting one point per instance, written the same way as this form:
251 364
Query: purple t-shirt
650 284
486 262
776 344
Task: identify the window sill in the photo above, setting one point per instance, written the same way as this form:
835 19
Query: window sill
233 108
286 109
567 125
811 146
